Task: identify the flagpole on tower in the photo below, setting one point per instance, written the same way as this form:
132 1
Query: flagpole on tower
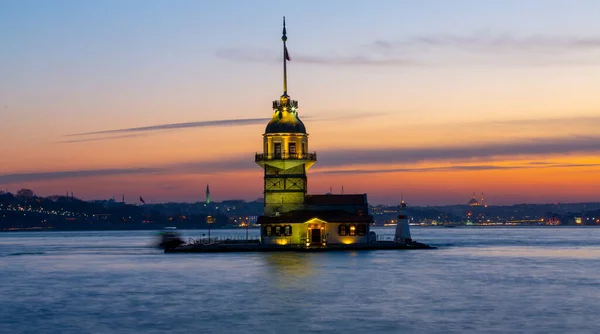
286 57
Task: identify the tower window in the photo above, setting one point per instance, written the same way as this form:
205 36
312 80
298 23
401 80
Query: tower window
288 230
303 150
352 230
342 230
292 148
277 147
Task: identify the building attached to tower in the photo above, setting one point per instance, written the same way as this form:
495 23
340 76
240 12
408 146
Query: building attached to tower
291 217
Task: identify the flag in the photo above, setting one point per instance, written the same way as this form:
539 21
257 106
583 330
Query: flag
286 54
142 200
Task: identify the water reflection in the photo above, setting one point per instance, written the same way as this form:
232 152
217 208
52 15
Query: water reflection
288 267
526 280
531 252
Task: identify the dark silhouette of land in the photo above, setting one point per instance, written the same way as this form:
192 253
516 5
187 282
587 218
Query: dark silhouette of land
26 211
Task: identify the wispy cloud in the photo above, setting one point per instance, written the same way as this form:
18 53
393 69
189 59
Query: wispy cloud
263 56
530 165
232 164
489 42
72 141
185 125
342 161
54 175
469 152
139 131
346 158
437 50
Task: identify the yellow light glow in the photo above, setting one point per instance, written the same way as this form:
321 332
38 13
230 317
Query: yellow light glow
282 242
348 240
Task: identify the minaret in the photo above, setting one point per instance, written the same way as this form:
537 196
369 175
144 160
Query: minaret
402 229
285 158
207 195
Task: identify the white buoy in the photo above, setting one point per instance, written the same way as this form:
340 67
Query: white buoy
402 228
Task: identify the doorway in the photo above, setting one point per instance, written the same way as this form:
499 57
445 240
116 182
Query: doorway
315 236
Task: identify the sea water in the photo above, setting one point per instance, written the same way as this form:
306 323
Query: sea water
479 280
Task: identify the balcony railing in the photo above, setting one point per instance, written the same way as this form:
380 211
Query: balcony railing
285 156
288 103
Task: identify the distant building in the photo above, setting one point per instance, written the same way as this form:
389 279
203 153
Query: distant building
207 195
571 218
473 201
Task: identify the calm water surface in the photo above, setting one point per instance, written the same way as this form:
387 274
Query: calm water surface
492 280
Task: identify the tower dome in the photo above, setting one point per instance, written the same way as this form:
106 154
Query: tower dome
285 118
279 124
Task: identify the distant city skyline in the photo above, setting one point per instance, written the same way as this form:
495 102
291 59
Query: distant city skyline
431 99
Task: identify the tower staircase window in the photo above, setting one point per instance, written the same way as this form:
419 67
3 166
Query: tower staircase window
292 148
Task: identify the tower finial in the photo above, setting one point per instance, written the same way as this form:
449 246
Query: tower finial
286 58
284 37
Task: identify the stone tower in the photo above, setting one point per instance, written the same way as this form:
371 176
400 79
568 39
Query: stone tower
285 158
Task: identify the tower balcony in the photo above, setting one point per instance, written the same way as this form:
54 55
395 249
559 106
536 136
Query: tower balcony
262 157
285 103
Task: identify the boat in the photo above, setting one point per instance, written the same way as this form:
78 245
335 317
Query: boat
169 239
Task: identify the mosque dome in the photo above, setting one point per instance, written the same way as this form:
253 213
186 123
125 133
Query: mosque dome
473 201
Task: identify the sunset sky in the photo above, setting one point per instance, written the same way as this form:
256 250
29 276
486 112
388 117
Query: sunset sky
431 99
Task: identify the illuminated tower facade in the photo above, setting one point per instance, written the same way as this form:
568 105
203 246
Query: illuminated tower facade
285 158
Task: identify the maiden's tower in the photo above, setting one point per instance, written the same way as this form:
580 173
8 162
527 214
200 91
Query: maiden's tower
291 217
294 220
